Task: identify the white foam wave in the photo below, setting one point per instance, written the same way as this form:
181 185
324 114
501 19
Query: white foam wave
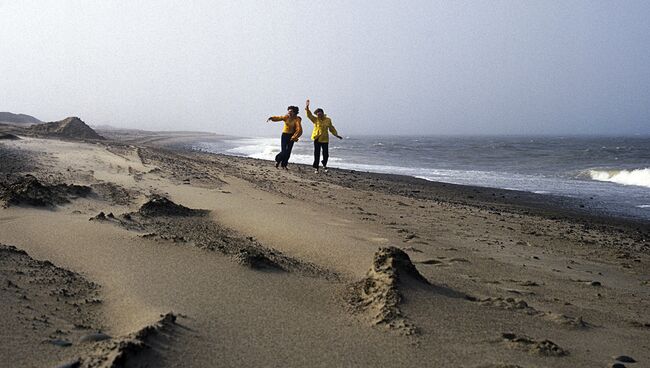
265 152
267 149
639 177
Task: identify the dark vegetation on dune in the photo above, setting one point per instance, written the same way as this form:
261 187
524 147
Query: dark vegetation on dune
28 190
8 137
162 206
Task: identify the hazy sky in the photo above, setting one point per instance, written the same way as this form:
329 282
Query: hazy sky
376 67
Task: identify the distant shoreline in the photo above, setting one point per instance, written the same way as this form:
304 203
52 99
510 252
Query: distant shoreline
546 205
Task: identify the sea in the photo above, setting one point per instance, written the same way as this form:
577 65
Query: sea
611 174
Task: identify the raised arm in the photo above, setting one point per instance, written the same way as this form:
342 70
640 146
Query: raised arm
309 114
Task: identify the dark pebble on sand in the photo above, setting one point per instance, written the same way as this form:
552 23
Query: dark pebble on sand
94 337
625 359
100 216
595 283
618 365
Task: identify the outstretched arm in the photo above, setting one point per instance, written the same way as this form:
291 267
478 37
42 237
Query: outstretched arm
309 114
277 118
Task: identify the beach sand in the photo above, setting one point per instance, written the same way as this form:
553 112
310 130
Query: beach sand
163 257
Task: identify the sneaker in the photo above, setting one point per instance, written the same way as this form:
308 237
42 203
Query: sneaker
277 164
316 171
325 170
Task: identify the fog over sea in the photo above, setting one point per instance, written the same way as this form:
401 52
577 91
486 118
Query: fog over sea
611 174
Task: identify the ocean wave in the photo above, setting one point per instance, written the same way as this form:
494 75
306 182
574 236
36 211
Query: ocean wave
267 149
639 177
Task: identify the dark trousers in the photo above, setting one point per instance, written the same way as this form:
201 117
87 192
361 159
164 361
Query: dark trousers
317 148
286 145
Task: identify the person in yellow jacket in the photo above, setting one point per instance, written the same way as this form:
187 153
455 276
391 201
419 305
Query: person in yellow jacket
290 133
321 135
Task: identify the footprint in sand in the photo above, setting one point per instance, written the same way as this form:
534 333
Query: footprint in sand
544 347
521 305
575 322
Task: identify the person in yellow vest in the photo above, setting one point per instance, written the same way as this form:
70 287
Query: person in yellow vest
290 133
321 135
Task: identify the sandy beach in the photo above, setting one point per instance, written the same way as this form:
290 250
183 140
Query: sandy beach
134 252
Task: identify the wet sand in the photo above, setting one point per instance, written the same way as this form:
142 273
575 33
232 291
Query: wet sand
263 267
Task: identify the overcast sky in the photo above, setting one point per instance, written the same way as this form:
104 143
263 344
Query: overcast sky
376 67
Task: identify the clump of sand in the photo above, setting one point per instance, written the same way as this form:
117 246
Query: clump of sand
521 305
124 351
162 206
255 258
379 292
544 347
28 190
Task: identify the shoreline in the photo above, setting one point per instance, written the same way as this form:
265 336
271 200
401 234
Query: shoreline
586 207
545 204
